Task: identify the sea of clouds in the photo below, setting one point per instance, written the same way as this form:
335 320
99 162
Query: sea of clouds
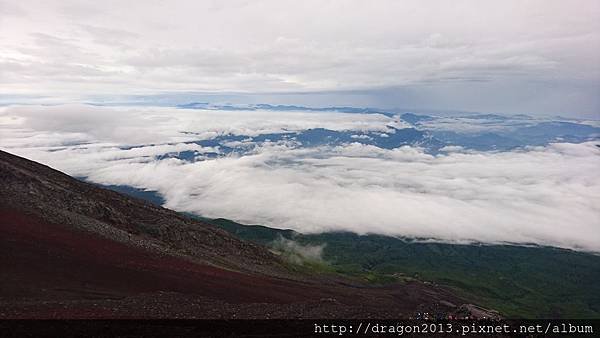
534 195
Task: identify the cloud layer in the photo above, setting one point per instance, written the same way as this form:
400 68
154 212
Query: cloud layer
543 195
429 51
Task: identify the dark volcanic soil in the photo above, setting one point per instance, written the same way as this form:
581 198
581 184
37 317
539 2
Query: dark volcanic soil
72 250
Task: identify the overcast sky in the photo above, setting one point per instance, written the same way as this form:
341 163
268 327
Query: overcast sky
503 56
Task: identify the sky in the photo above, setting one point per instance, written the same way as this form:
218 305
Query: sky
534 57
545 195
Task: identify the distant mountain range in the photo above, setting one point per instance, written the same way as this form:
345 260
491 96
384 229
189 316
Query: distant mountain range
486 132
265 106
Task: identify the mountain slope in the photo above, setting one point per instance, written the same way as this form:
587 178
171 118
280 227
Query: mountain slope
39 190
520 281
69 249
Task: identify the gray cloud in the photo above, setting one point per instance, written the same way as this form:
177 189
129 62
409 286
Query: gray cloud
78 48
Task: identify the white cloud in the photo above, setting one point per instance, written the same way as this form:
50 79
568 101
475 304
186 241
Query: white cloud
296 252
544 195
469 125
38 125
451 149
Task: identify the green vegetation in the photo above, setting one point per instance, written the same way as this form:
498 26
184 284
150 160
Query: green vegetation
539 282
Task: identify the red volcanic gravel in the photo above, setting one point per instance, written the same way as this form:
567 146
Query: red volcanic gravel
51 271
48 259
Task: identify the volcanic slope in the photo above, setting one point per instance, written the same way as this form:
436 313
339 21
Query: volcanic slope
69 249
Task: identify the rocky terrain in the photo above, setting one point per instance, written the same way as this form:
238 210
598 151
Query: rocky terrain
69 249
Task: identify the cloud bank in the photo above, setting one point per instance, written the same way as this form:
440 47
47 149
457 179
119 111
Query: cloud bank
539 55
540 195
